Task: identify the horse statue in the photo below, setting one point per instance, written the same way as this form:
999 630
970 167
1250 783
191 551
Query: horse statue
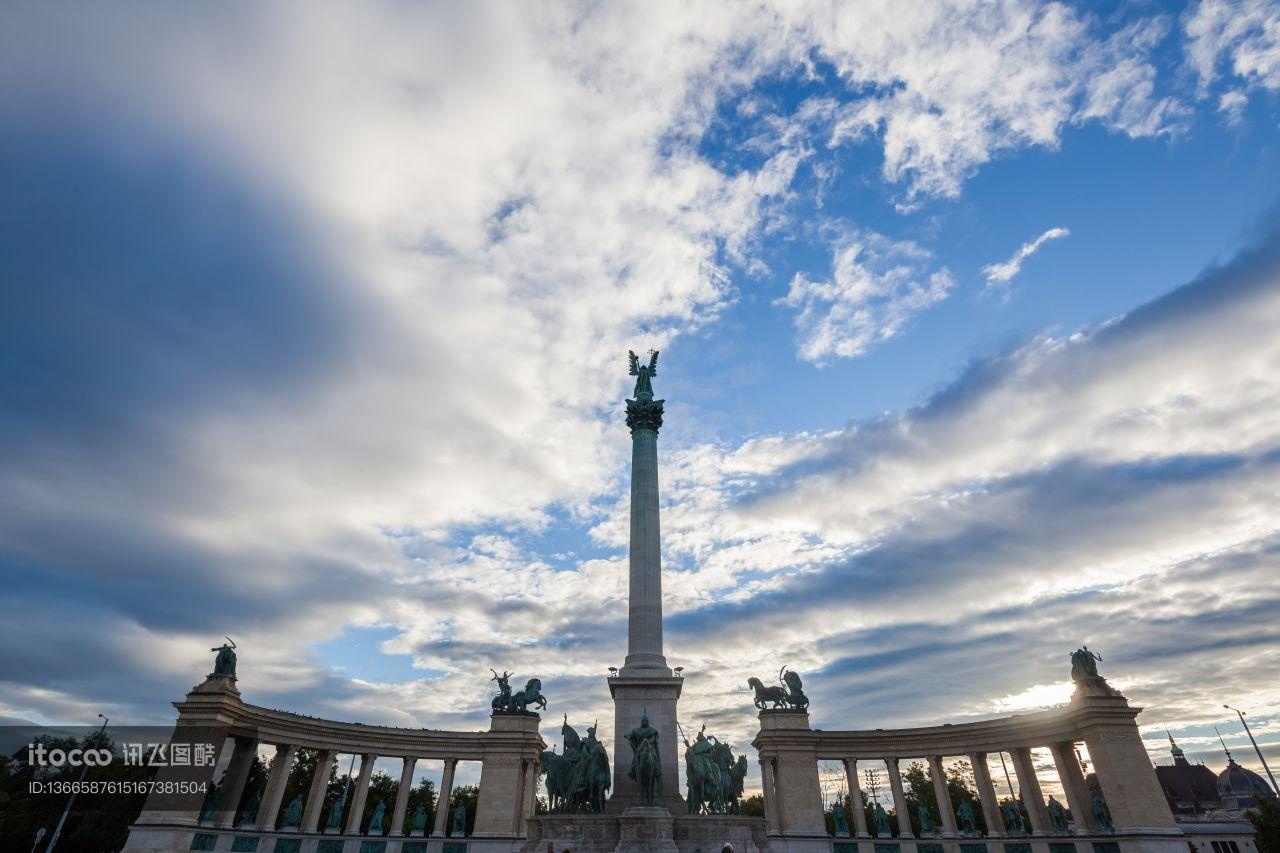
530 695
557 771
788 693
646 762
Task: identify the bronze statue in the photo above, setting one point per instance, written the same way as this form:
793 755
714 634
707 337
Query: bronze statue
643 374
1101 814
292 813
926 820
578 780
459 821
419 819
714 777
968 822
1084 663
1012 817
375 822
881 820
225 663
517 702
1057 815
646 762
788 693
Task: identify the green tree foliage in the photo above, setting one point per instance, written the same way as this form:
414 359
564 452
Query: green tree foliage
97 823
753 806
1265 818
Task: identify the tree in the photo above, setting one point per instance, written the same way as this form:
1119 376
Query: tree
1265 818
753 806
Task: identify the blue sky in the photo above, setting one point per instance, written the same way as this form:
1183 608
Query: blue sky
315 337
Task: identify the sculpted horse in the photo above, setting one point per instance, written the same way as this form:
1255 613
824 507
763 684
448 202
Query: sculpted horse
530 695
776 695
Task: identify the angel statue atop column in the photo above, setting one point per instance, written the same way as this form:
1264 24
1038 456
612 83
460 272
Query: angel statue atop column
643 373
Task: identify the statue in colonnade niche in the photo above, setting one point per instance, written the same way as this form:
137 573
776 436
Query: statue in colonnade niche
968 822
292 813
249 814
881 820
1101 814
1012 817
1084 663
419 819
459 821
375 822
926 820
225 663
1057 816
839 819
646 764
335 811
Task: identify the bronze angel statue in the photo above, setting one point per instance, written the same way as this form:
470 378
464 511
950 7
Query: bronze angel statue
643 373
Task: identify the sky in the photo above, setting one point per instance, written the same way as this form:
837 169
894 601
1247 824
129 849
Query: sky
315 329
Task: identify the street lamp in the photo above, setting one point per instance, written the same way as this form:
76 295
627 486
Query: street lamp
84 768
1255 746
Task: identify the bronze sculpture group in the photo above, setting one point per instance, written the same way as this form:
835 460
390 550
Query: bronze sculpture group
518 702
646 762
787 694
715 778
577 780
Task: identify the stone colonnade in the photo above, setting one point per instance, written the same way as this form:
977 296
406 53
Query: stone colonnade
1097 716
213 713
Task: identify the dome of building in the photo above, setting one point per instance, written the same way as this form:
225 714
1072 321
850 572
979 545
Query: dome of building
1242 784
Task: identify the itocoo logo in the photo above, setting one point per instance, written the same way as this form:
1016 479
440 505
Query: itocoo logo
39 755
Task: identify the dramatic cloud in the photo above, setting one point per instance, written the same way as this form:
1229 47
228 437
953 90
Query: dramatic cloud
1001 274
307 327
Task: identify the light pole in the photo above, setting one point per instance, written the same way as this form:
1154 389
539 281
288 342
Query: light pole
84 768
1240 714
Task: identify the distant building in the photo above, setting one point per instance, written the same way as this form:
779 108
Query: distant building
1191 789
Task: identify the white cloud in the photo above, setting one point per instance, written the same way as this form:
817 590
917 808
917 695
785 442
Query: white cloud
1002 273
877 285
1239 39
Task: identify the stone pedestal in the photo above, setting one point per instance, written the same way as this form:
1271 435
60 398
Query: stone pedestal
633 697
646 829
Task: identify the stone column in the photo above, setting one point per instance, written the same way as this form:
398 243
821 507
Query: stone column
274 791
1072 779
946 811
446 791
644 634
530 796
315 796
234 780
855 798
360 793
402 796
770 792
899 798
987 794
1029 791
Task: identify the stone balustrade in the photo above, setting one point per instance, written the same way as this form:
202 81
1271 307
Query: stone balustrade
214 713
1097 716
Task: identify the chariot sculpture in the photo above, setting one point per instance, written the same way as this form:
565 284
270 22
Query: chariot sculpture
519 701
787 694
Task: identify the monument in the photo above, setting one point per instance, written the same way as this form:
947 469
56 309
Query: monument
645 685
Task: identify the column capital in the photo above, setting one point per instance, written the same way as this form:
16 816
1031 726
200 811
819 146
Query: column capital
644 414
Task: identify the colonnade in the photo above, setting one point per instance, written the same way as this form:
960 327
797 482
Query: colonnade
1097 716
508 754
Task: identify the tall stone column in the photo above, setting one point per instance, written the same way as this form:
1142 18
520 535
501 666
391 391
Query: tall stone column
446 791
645 686
274 792
987 794
1029 789
769 789
1072 779
946 810
360 793
315 796
402 796
899 798
234 780
855 798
